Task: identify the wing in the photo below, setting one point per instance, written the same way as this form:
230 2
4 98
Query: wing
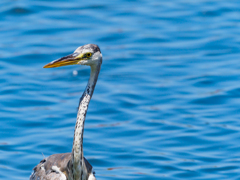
55 167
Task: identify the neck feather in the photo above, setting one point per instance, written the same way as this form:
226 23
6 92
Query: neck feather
77 150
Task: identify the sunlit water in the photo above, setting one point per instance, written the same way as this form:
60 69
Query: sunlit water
167 102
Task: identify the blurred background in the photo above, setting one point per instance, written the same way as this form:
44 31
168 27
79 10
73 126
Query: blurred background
167 102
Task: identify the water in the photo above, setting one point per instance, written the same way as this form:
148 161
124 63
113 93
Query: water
167 102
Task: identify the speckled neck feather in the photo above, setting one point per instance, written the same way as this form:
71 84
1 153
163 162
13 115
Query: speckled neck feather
77 150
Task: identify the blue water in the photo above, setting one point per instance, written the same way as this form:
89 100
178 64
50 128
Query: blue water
167 102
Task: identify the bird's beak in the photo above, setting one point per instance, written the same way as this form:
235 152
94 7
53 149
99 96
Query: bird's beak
64 61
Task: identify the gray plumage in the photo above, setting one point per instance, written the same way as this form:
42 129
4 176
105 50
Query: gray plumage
94 48
73 166
45 171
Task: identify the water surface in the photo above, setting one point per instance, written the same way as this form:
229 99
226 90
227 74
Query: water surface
167 102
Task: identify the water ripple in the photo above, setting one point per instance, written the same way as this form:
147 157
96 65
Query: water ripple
166 105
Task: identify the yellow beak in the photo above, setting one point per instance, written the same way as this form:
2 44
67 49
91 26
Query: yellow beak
64 61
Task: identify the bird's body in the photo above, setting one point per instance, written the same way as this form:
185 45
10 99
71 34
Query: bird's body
73 166
58 167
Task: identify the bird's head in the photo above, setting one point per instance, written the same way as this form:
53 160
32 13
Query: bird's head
88 54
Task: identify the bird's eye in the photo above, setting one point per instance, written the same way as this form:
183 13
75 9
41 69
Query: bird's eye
88 54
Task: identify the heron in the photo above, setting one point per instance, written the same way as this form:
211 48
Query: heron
73 166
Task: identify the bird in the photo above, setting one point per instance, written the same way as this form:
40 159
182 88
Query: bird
73 166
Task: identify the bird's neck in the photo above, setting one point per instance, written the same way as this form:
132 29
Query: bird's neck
77 150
